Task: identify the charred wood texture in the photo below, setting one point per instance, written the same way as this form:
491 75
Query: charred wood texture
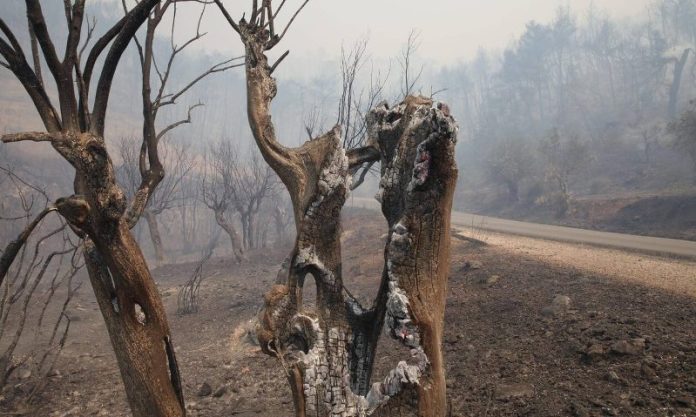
328 352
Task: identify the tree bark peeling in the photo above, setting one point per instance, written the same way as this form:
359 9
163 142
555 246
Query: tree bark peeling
330 352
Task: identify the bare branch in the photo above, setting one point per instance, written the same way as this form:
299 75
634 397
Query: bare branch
16 47
17 63
227 16
179 123
361 178
280 7
35 55
38 23
32 137
282 57
220 67
12 249
359 156
133 21
75 17
292 19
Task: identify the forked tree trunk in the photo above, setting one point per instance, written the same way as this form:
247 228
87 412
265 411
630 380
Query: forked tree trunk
237 246
155 236
329 353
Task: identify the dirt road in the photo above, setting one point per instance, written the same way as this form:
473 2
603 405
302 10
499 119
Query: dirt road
472 222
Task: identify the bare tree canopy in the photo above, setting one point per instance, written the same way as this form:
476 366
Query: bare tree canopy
124 288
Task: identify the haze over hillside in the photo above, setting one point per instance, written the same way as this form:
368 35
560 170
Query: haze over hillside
599 79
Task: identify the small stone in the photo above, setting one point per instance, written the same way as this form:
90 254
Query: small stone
507 392
578 410
473 265
24 373
53 373
222 390
204 390
561 301
595 350
684 401
612 376
559 306
609 411
489 280
629 347
648 372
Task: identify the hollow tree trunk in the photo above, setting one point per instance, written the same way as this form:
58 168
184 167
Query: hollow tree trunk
237 248
138 331
155 236
419 176
329 353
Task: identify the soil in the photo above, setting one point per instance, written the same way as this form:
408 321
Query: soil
532 329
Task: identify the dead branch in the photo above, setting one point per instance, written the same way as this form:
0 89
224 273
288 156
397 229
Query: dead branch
187 301
12 249
32 137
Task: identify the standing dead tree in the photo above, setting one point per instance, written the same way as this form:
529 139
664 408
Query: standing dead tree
253 183
148 160
329 353
37 292
409 79
355 104
168 194
149 164
188 213
563 159
187 300
218 193
683 132
98 211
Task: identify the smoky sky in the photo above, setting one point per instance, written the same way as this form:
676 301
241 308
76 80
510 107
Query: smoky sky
450 30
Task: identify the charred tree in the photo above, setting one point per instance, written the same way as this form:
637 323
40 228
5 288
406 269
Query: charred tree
253 183
328 353
98 211
218 192
150 196
169 192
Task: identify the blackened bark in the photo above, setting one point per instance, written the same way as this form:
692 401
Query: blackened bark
328 354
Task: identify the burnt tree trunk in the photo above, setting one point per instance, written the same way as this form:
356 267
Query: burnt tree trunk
155 236
125 290
328 353
228 227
